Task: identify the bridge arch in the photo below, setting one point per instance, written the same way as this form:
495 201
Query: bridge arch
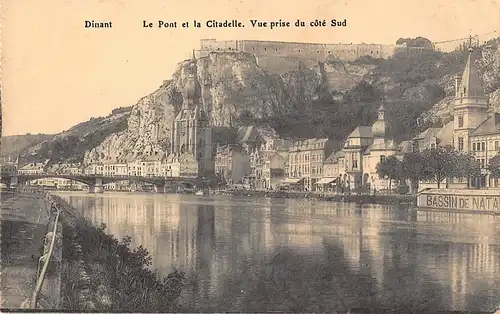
28 178
93 180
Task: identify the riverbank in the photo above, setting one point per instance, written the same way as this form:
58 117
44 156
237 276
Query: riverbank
100 273
348 198
23 225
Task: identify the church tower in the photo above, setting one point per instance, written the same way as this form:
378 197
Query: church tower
471 105
191 134
379 128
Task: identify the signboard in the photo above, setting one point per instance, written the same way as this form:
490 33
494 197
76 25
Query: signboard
486 203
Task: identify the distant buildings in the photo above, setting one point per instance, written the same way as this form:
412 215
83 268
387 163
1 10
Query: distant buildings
305 162
269 166
34 167
232 163
8 167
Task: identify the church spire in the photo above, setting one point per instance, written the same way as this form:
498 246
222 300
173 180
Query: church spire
471 86
192 89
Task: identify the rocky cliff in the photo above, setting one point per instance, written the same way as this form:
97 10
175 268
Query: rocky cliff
233 86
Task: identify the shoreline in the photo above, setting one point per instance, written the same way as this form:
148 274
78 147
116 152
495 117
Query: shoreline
347 198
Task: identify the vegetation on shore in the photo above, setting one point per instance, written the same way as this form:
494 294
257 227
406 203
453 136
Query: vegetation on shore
432 164
105 274
348 198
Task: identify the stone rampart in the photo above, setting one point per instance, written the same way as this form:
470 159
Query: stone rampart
282 57
346 52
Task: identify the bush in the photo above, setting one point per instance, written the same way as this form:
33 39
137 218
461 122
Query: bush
120 279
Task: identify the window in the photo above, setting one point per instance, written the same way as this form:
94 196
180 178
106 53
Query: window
460 143
482 163
496 145
483 146
382 158
354 164
460 121
473 146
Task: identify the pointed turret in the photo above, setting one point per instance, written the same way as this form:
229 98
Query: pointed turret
470 85
381 112
471 104
379 128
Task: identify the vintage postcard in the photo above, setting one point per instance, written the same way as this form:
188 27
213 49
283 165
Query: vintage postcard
250 156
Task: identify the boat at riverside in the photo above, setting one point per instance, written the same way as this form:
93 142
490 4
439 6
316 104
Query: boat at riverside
202 192
460 200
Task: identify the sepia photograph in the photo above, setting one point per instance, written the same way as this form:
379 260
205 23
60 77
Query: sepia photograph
250 157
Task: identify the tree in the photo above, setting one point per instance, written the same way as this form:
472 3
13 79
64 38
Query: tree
466 166
390 168
494 166
440 163
413 168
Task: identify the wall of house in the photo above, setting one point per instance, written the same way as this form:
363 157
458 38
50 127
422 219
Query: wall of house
240 166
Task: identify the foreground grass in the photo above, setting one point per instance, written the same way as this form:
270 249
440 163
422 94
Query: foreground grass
112 276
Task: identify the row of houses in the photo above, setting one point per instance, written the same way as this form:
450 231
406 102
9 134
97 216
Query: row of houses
316 164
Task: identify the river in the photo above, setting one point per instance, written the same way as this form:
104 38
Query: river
258 255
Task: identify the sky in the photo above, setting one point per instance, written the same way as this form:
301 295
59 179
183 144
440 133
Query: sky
56 73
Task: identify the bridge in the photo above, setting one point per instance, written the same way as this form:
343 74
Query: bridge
96 182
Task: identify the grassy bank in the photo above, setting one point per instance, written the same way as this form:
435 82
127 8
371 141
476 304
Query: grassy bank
351 198
101 273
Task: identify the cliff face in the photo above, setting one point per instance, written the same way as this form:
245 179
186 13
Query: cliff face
145 134
232 86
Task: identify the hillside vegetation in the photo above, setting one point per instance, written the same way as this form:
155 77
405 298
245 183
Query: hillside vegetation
70 145
410 83
16 144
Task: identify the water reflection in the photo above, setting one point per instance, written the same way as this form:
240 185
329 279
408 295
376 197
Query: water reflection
245 254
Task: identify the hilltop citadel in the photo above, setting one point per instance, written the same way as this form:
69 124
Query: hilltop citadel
281 57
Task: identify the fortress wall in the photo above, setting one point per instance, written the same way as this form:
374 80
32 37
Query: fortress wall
214 45
374 51
282 57
318 52
280 64
347 52
388 50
